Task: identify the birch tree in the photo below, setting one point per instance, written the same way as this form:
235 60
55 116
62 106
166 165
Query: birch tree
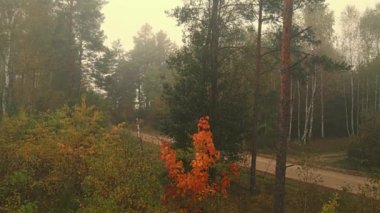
298 110
9 12
370 49
321 21
350 44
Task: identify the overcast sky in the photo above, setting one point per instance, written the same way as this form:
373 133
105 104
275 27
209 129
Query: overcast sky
123 18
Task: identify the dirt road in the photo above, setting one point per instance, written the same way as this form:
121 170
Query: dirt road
327 178
324 177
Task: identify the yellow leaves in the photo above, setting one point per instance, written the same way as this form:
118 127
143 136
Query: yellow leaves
65 148
116 129
80 151
57 150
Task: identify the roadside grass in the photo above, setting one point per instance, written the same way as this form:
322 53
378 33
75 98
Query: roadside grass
300 196
317 147
349 164
320 146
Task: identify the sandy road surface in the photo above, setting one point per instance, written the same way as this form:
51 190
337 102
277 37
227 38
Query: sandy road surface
330 179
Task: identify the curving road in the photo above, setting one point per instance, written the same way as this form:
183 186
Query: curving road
323 177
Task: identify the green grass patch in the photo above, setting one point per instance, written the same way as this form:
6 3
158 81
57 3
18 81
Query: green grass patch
355 166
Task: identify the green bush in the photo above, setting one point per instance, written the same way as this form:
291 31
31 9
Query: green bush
366 148
72 160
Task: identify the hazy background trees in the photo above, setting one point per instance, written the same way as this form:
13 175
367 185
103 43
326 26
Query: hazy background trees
52 53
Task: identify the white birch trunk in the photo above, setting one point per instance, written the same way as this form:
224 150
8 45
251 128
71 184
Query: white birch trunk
4 99
352 103
346 108
376 93
9 21
307 109
322 108
299 110
314 89
358 106
291 110
367 95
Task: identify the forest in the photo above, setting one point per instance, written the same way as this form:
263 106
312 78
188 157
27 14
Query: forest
166 127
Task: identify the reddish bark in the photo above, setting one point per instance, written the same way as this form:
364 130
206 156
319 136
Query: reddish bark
284 110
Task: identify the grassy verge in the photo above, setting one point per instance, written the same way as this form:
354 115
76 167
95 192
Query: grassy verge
354 165
300 197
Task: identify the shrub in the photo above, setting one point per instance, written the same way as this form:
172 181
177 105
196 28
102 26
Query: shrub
72 160
190 187
367 147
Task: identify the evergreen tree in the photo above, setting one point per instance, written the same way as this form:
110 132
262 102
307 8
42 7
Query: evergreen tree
216 35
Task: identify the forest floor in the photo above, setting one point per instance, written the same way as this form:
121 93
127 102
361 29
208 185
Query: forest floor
323 176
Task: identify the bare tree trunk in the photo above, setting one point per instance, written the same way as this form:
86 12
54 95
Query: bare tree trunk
346 108
352 103
322 108
81 85
214 49
307 109
367 95
279 190
274 80
314 88
256 101
299 110
6 77
358 105
376 91
291 111
9 20
70 53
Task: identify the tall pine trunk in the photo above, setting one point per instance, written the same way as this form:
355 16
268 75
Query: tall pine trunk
256 101
279 190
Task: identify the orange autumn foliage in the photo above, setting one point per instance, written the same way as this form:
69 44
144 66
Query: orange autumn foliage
196 184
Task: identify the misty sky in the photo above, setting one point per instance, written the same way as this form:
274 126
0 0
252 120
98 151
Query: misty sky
123 18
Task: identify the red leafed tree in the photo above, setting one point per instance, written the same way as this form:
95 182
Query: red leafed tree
188 188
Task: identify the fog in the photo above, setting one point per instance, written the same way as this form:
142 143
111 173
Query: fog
123 18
